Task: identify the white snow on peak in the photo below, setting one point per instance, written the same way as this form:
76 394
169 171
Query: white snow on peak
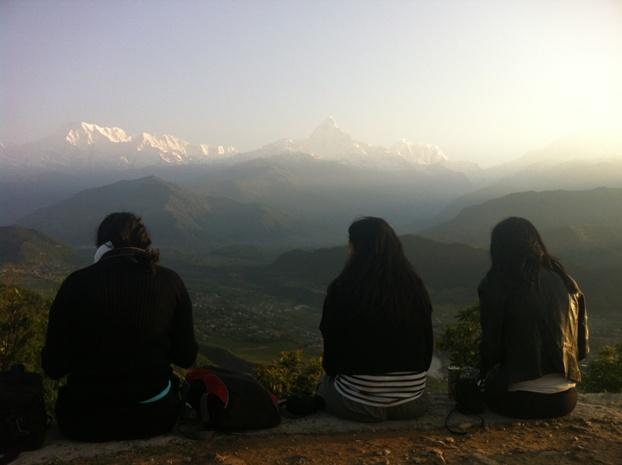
88 134
422 154
90 146
165 143
178 150
328 124
329 142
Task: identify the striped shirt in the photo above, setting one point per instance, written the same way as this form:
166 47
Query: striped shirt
387 390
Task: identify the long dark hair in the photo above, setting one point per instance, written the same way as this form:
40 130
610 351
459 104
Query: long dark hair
127 230
378 277
518 252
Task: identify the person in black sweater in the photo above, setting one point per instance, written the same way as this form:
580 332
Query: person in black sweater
377 330
114 330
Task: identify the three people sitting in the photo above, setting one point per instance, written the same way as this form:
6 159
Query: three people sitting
115 328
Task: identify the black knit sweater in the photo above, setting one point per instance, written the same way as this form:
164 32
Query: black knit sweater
116 326
371 344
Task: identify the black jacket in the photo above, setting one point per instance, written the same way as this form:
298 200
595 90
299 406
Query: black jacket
359 344
530 331
116 326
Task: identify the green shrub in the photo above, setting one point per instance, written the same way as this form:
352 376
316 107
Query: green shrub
461 339
604 372
23 324
291 374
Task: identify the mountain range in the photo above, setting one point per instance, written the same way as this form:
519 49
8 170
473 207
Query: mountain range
589 215
87 146
177 218
584 160
329 142
306 189
325 194
329 176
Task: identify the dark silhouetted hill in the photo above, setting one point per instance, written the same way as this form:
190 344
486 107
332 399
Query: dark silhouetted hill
451 271
22 246
176 217
595 213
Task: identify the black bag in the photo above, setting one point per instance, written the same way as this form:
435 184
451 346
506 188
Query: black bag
469 400
231 401
23 420
469 397
300 405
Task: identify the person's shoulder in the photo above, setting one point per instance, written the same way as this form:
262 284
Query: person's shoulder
337 291
167 274
486 282
483 282
551 277
562 282
78 276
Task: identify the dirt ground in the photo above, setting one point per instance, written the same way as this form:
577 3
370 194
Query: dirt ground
559 442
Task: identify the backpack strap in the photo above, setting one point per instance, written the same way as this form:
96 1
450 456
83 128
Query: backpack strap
454 430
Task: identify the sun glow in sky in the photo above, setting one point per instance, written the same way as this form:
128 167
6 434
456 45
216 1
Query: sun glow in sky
484 80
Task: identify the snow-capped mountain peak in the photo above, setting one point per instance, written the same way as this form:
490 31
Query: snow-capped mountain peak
165 143
328 125
422 154
90 146
329 142
82 134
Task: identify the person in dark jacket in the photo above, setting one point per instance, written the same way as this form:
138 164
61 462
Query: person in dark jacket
377 330
534 326
114 330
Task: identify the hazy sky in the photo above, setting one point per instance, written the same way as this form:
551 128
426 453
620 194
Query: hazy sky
485 80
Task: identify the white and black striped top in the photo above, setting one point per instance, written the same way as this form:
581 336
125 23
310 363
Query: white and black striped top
387 390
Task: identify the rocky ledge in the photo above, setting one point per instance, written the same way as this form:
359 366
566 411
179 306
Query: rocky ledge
592 434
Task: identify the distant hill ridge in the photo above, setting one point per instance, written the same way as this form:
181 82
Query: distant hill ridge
442 266
22 245
595 210
176 217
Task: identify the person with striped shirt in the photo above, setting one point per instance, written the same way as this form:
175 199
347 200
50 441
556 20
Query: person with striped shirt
377 330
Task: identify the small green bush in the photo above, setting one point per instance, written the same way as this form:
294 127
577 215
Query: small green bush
291 374
23 324
461 340
604 372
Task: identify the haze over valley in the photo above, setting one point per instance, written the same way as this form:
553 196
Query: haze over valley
258 235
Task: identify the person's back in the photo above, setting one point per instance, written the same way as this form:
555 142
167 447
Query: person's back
372 343
115 327
534 326
123 317
377 330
